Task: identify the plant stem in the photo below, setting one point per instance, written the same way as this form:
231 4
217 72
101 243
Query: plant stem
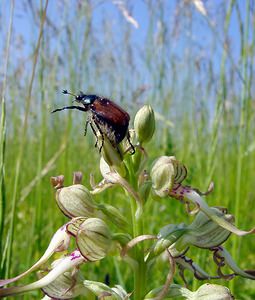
140 271
137 224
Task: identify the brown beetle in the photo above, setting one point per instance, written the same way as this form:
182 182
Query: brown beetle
109 118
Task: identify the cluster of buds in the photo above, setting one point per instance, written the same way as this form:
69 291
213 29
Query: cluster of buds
93 240
167 176
90 222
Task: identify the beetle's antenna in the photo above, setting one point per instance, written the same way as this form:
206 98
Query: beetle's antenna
67 93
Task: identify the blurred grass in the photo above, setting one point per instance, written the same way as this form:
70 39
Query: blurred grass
4 248
196 70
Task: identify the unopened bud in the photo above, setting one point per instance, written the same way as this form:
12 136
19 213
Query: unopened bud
166 172
144 124
162 175
75 201
94 239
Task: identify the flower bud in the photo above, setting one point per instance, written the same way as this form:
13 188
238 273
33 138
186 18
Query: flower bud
205 233
166 172
94 239
162 175
75 201
144 124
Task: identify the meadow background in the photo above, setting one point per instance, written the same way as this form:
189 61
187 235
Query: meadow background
193 63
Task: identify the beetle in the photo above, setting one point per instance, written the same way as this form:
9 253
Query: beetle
105 116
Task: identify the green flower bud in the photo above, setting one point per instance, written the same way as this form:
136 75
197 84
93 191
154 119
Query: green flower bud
166 172
162 175
94 239
144 124
205 233
75 201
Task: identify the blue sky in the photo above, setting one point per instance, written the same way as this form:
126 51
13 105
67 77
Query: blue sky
23 19
195 39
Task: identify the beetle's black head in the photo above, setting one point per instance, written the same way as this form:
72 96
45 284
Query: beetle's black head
82 98
86 100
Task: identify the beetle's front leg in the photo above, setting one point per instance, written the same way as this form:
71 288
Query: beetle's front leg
69 107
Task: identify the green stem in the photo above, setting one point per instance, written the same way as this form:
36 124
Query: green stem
140 270
137 224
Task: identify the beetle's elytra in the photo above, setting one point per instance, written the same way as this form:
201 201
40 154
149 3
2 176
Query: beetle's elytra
104 115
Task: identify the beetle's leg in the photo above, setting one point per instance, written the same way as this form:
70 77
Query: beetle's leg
69 107
99 129
86 126
131 145
94 131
